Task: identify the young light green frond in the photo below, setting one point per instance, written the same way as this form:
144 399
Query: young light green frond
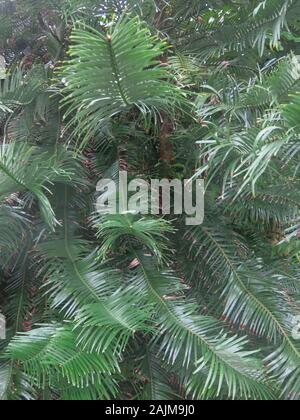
113 72
127 230
26 168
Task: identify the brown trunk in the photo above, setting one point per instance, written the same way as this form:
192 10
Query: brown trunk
166 149
166 152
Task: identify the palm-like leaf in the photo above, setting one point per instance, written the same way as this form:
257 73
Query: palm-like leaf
52 350
200 340
14 224
250 27
25 169
123 72
132 231
254 297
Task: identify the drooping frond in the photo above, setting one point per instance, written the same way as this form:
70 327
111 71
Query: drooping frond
254 296
51 351
193 337
13 226
248 26
246 101
25 169
157 379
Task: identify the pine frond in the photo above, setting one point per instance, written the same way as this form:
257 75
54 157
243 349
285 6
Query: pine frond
200 340
26 169
248 26
127 230
157 385
114 72
14 385
74 277
51 351
291 111
14 224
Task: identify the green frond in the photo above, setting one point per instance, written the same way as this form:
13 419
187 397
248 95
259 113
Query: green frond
14 385
157 385
127 230
112 322
103 388
218 249
248 156
75 278
254 300
14 223
291 111
246 101
25 168
201 340
20 88
51 351
123 72
4 381
247 26
93 296
20 300
275 204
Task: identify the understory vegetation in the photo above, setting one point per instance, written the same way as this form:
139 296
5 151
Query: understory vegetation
138 307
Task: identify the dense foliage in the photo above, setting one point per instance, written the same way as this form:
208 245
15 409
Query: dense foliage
136 307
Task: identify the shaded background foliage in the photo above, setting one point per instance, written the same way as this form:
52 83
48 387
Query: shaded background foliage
126 306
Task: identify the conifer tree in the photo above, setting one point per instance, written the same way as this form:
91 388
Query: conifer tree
130 306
